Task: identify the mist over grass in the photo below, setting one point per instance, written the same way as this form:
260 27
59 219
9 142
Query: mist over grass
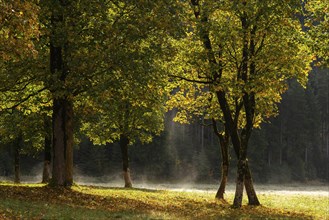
187 183
116 180
313 188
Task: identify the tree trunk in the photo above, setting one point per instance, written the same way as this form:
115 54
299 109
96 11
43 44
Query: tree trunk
239 183
47 153
244 173
69 142
224 142
240 143
249 103
62 142
46 172
248 183
62 104
58 175
17 161
124 141
221 190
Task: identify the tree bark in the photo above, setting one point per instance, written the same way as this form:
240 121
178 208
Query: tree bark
241 171
58 175
46 172
224 142
47 152
69 142
249 185
221 190
124 141
239 184
62 142
62 104
17 160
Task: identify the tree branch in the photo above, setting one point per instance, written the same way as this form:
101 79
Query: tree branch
192 80
23 100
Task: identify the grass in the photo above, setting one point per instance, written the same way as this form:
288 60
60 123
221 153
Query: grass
36 201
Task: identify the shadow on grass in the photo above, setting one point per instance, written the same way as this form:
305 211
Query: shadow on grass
131 203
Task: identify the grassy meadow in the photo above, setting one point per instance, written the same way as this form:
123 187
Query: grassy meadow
37 201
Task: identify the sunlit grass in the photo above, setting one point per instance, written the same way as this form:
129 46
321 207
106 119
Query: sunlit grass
203 203
34 201
315 206
41 210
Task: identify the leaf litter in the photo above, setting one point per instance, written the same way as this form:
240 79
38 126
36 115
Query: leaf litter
180 205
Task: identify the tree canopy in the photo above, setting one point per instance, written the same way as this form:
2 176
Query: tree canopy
317 22
111 69
18 30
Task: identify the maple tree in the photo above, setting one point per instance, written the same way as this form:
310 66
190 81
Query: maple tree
124 113
127 104
245 53
81 54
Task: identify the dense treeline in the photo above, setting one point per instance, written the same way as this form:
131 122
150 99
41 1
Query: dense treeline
291 147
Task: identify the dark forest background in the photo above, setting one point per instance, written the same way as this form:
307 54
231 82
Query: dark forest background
294 146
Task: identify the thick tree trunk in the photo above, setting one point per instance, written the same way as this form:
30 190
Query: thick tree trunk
58 175
69 142
62 104
47 154
58 119
62 142
124 141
